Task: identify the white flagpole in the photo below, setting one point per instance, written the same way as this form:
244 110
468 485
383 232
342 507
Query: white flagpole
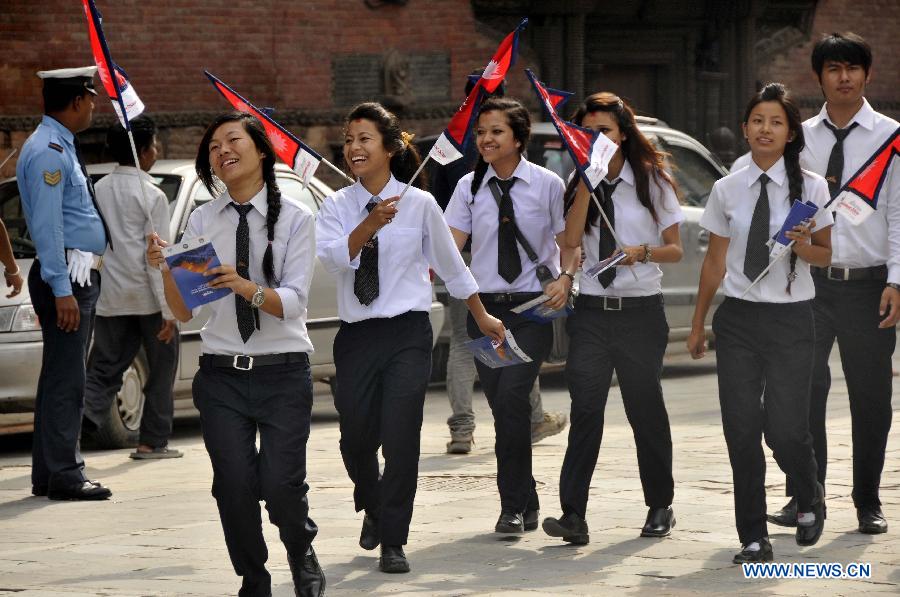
338 170
416 174
137 164
615 236
6 159
786 251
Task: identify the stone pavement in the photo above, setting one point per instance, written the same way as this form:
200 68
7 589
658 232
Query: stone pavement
160 533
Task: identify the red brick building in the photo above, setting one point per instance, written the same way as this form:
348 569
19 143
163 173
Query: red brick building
691 63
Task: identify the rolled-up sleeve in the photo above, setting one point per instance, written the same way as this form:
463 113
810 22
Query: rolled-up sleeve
332 242
299 263
442 254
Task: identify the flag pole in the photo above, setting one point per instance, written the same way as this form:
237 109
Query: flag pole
338 170
414 176
6 159
137 164
768 267
619 244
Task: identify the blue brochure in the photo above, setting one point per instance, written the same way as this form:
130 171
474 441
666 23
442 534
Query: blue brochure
604 264
800 211
494 355
536 310
187 261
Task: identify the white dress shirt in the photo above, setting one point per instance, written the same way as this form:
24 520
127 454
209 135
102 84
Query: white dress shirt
877 240
130 286
417 236
729 212
537 198
293 258
635 226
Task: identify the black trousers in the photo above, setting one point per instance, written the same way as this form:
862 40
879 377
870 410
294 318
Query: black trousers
765 347
234 405
848 311
632 342
117 341
58 406
382 368
507 390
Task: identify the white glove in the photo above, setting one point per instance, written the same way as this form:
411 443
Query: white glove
80 266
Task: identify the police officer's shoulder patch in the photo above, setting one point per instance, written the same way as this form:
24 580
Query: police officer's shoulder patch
52 178
55 146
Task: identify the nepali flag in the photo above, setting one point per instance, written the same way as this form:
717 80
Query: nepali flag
125 100
452 143
859 197
294 152
590 150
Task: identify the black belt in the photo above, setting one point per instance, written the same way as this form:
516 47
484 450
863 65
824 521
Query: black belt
617 303
245 362
847 274
500 298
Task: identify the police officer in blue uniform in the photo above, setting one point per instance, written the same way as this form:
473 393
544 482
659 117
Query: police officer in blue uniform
69 236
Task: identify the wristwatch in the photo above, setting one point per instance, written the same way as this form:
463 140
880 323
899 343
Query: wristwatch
893 285
567 273
647 253
258 298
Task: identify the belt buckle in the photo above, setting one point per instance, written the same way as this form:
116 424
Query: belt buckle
845 273
507 297
235 363
608 307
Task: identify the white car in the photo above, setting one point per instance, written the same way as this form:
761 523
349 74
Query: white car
20 337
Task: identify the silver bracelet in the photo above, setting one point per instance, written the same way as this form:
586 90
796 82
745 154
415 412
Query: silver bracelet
9 274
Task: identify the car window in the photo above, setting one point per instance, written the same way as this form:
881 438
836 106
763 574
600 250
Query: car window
694 174
14 218
550 153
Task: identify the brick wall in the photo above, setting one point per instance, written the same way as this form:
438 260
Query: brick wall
276 53
878 21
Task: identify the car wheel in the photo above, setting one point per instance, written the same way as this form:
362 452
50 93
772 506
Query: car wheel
122 426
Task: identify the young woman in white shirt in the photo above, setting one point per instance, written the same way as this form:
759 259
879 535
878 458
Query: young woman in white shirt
507 190
619 323
254 376
765 334
380 249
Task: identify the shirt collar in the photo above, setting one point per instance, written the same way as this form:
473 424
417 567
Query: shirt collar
131 170
777 173
522 172
258 201
626 174
58 128
391 188
865 116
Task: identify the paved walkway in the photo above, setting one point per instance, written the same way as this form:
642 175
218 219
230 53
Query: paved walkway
160 533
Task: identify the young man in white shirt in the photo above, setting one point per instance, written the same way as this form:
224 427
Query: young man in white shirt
857 299
132 310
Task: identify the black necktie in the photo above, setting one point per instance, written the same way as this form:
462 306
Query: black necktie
835 170
365 284
90 186
607 242
509 266
242 308
757 256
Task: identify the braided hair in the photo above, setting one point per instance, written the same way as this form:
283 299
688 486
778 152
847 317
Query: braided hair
257 133
776 92
519 121
646 161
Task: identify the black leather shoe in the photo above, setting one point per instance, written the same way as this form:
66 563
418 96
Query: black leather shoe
39 490
86 490
871 520
368 536
510 522
571 527
660 522
530 519
763 554
393 560
808 534
309 580
787 516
